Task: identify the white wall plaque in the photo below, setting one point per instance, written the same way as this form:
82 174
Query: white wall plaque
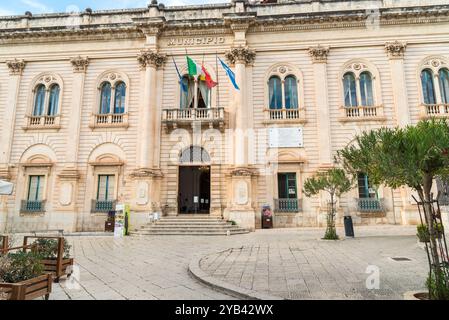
142 193
65 195
285 138
241 193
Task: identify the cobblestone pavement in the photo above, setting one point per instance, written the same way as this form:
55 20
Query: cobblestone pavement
291 263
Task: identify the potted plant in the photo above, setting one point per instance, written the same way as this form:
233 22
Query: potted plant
22 277
423 232
55 255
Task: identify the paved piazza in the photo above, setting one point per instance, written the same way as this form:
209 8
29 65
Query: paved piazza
287 263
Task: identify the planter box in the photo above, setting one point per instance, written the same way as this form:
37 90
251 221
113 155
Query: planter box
51 265
29 289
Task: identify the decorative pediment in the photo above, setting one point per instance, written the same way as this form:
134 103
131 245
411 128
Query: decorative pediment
434 63
107 160
243 171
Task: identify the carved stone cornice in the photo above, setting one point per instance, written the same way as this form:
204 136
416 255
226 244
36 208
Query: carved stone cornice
395 50
151 58
319 54
147 173
16 67
69 174
79 64
241 54
150 26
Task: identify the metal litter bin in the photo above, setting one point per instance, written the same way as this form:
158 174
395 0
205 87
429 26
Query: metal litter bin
349 227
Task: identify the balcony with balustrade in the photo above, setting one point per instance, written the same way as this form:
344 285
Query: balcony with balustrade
42 122
176 117
114 120
284 116
30 207
362 113
287 205
434 110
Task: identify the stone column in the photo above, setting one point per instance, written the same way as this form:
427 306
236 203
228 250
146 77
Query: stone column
242 175
16 68
147 176
319 60
395 51
69 175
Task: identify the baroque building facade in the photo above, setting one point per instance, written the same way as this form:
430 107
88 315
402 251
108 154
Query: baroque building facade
93 111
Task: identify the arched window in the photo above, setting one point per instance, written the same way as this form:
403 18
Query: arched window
39 100
194 154
105 100
444 85
275 92
291 92
349 87
120 95
428 87
54 100
366 89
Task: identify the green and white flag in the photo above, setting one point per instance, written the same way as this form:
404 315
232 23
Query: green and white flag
193 67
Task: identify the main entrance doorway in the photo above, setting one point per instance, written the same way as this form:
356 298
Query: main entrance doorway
194 190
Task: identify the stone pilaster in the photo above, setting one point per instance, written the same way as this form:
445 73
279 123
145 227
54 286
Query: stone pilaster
242 176
395 51
16 68
319 55
147 176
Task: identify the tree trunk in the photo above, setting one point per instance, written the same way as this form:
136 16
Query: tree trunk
426 198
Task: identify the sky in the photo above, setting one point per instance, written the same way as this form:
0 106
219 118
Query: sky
15 7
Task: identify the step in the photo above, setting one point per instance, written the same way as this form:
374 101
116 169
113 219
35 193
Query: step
190 230
168 233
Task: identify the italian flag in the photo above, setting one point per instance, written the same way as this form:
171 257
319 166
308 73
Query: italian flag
195 69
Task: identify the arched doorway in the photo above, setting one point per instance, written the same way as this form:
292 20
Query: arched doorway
194 181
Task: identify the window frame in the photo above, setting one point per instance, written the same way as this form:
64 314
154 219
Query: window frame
434 64
283 70
357 67
114 78
48 80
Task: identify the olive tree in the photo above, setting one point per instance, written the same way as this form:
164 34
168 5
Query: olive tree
335 182
412 156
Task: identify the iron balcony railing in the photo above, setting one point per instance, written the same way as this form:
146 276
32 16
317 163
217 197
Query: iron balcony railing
370 205
28 206
287 205
103 205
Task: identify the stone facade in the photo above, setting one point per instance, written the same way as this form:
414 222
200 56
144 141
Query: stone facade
317 42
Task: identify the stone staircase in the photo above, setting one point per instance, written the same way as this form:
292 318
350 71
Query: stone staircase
197 225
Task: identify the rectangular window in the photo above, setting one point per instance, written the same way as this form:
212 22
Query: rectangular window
106 188
287 188
365 188
35 188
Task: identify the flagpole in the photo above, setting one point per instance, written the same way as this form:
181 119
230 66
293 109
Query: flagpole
218 80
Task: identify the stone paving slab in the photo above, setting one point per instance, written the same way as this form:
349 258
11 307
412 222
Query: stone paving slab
288 263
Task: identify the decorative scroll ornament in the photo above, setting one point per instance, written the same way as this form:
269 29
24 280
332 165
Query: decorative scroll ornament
395 50
16 67
79 64
151 58
243 172
319 54
241 55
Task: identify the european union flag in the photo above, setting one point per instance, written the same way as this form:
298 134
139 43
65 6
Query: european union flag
183 85
230 74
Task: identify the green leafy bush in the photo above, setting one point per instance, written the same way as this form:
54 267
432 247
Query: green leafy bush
20 266
439 285
48 248
423 232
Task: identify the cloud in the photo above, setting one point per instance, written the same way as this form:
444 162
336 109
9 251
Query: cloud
40 7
